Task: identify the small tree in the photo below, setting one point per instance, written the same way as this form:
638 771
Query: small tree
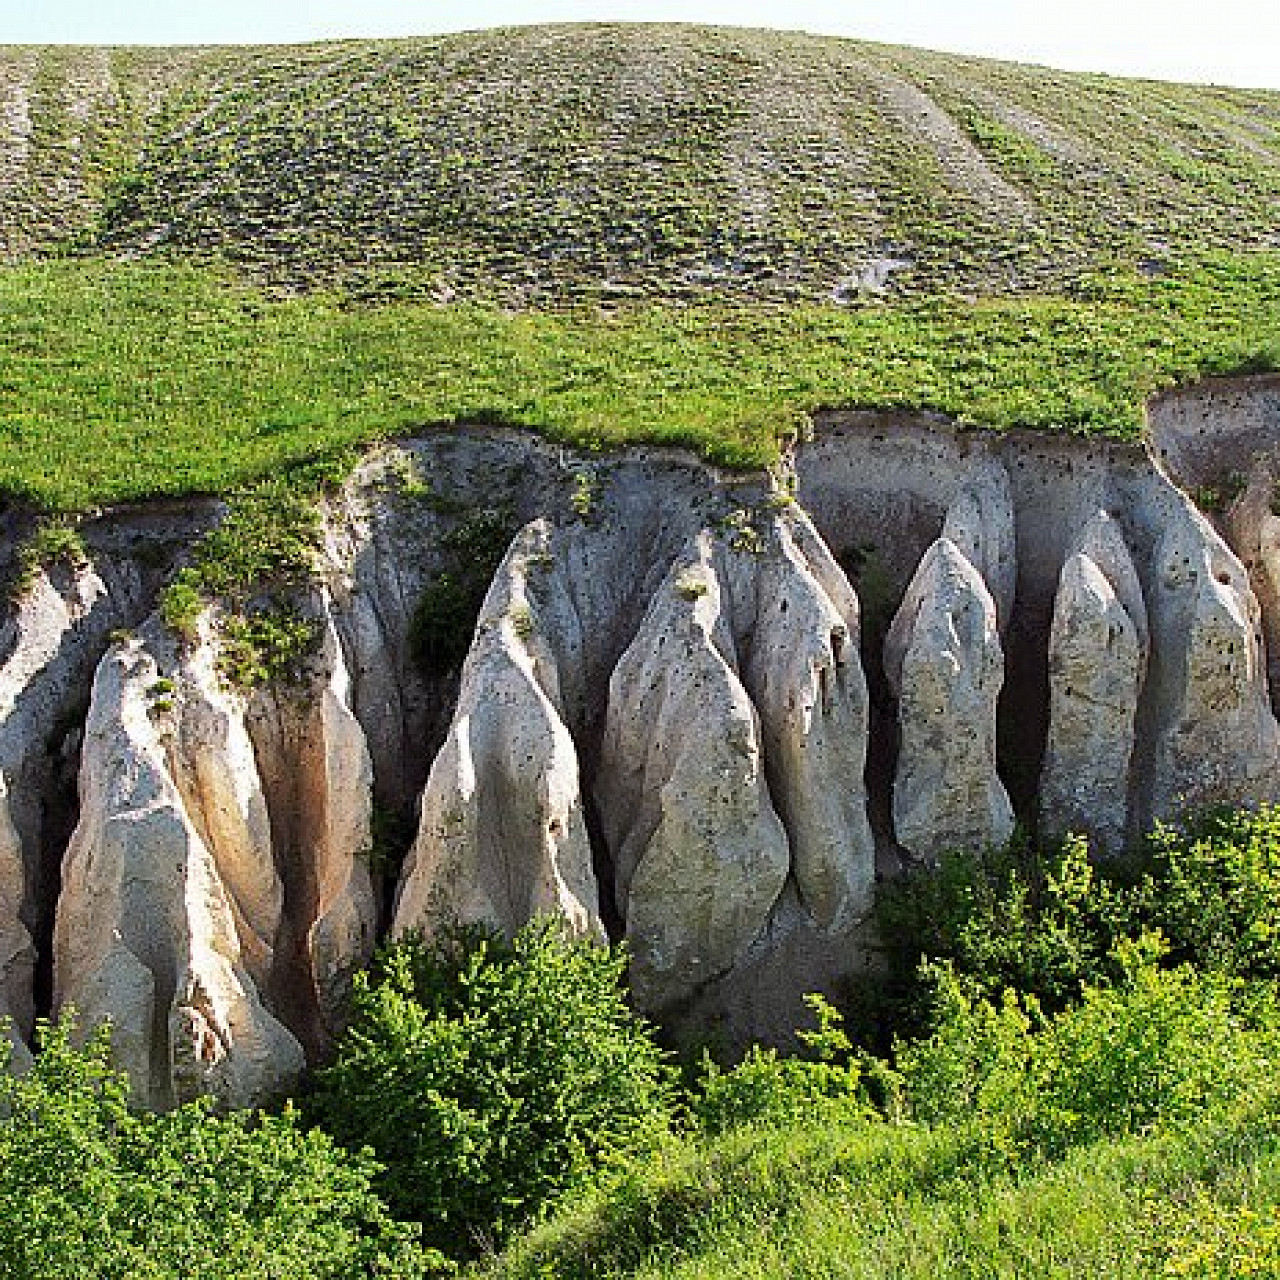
1213 890
489 1077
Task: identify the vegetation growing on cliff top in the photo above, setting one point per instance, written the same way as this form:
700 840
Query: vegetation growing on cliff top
225 261
123 380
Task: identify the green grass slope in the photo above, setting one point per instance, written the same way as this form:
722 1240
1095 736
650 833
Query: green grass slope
869 1201
220 261
121 380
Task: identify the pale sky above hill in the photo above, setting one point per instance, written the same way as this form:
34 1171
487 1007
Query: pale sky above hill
1225 42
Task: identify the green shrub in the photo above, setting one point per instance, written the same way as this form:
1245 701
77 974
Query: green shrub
1044 921
266 646
489 1077
181 605
88 1188
767 1088
53 541
1213 889
1204 1239
444 619
1162 1048
1038 921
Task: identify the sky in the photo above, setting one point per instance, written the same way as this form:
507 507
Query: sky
1216 41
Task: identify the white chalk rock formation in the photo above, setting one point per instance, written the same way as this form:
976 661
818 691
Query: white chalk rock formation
700 855
733 757
980 523
804 674
317 778
210 759
502 836
17 955
1215 739
49 646
1097 660
1268 579
148 935
944 661
336 803
1253 531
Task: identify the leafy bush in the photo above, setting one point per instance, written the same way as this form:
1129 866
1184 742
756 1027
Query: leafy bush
1206 1239
1045 921
1162 1048
490 1077
1039 921
444 619
266 646
1213 889
53 541
443 622
88 1188
767 1088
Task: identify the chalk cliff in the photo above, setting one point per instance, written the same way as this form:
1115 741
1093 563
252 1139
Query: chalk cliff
698 711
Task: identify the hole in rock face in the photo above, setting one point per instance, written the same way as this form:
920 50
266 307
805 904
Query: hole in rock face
602 864
1224 578
1022 711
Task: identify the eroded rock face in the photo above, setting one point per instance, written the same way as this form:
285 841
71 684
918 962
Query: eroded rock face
316 777
662 728
1215 739
700 855
805 677
17 954
944 661
336 784
979 523
50 645
1097 660
216 894
1253 530
706 829
146 934
209 756
502 835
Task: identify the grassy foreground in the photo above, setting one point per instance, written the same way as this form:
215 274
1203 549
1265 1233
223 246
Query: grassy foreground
125 380
869 1201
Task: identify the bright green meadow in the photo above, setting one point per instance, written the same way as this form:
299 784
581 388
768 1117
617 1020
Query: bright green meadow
127 380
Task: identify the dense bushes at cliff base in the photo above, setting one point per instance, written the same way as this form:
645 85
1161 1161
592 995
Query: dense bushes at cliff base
490 1077
1086 1085
1135 1134
1082 1083
1042 920
92 1189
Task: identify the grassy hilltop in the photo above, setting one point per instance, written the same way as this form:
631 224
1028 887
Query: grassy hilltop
543 165
219 260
